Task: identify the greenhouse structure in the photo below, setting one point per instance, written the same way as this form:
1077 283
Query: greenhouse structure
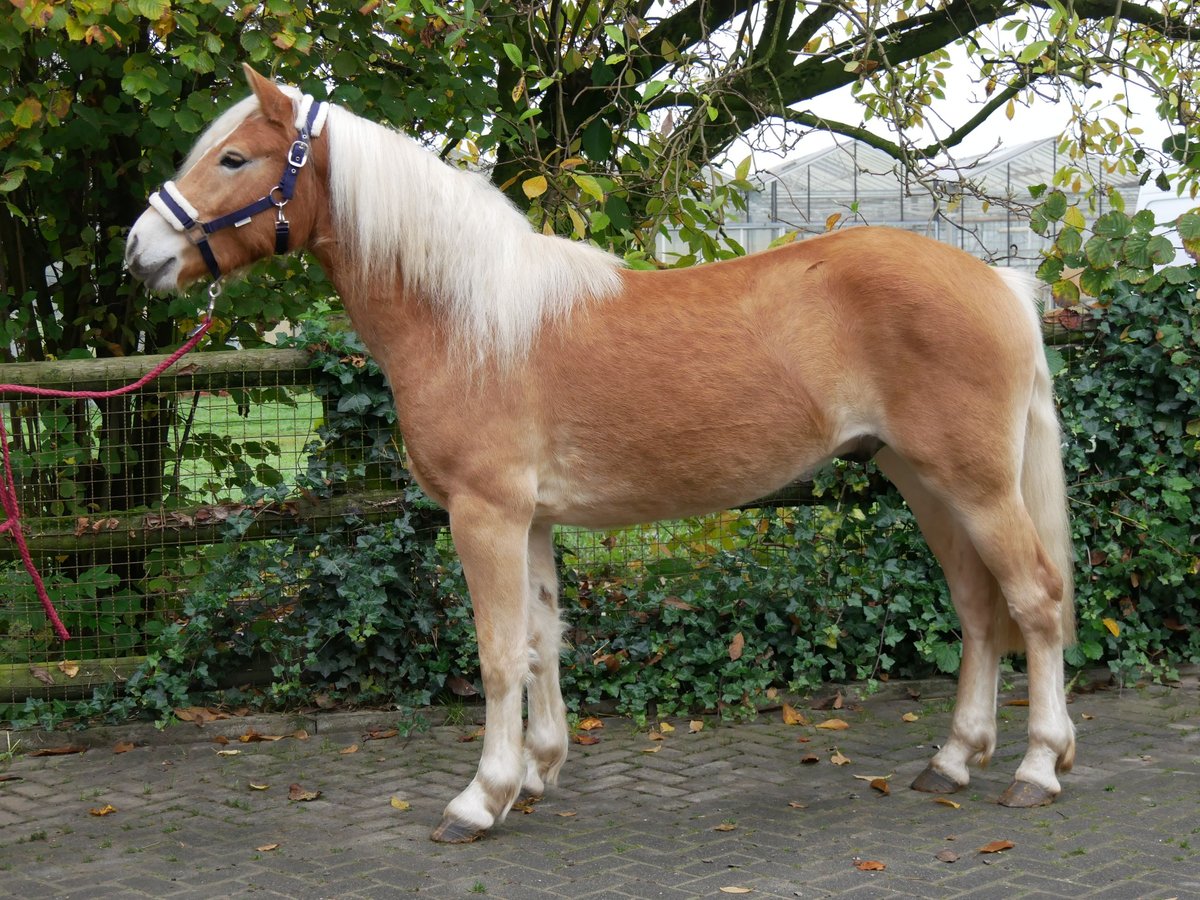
982 203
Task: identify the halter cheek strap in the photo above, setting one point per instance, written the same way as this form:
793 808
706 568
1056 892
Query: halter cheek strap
183 217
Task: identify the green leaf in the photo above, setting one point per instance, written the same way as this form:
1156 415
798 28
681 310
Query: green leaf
589 186
513 52
1055 205
1101 252
27 113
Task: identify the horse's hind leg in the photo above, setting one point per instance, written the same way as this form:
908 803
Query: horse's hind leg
492 542
982 617
1033 587
546 734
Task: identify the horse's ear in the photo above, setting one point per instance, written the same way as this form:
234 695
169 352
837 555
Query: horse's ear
275 104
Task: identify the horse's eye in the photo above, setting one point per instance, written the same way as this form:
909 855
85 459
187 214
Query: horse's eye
233 160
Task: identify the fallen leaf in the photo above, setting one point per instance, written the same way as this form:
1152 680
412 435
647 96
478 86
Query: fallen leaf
881 785
250 736
838 759
267 848
997 847
11 778
106 810
591 723
791 716
567 814
380 734
733 889
736 646
809 759
397 803
655 736
676 603
870 865
60 751
299 794
68 668
526 804
834 724
1016 701
796 804
803 740
653 749
258 787
665 728
41 675
725 826
124 746
585 739
1112 624
353 748
948 856
946 801
199 714
229 753
873 777
473 736
300 734
695 726
1087 717
910 717
220 739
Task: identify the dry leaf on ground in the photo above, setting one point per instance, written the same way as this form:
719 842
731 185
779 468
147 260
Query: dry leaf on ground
267 848
870 865
809 759
695 726
881 785
909 717
997 847
591 723
792 716
834 724
106 810
353 748
402 805
229 753
947 856
123 746
60 751
734 889
796 804
665 728
258 787
653 749
725 826
946 801
473 736
299 794
68 668
380 734
838 759
585 739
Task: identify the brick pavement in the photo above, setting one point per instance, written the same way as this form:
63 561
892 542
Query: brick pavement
624 822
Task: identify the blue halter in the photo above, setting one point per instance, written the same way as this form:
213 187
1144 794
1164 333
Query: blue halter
183 217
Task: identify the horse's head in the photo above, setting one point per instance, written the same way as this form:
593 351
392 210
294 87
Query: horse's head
249 188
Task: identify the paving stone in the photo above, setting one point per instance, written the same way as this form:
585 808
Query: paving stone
188 824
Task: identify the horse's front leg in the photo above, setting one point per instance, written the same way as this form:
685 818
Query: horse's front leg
492 542
546 735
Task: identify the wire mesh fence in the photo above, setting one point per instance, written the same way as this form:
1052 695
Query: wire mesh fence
123 500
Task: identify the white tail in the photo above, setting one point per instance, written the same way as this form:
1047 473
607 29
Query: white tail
1043 481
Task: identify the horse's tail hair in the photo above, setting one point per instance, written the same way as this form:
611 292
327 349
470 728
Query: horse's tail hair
1043 480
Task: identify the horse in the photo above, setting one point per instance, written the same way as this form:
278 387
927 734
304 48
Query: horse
539 382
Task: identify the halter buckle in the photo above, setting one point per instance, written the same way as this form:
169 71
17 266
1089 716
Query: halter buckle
298 155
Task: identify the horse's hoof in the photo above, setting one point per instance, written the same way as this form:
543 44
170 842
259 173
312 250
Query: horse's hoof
1025 795
931 781
452 831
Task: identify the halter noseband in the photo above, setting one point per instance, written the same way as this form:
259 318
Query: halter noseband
183 217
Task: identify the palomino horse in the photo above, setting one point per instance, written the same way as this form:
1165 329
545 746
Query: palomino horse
538 382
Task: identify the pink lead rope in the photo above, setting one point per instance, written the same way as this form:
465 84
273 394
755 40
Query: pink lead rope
8 490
